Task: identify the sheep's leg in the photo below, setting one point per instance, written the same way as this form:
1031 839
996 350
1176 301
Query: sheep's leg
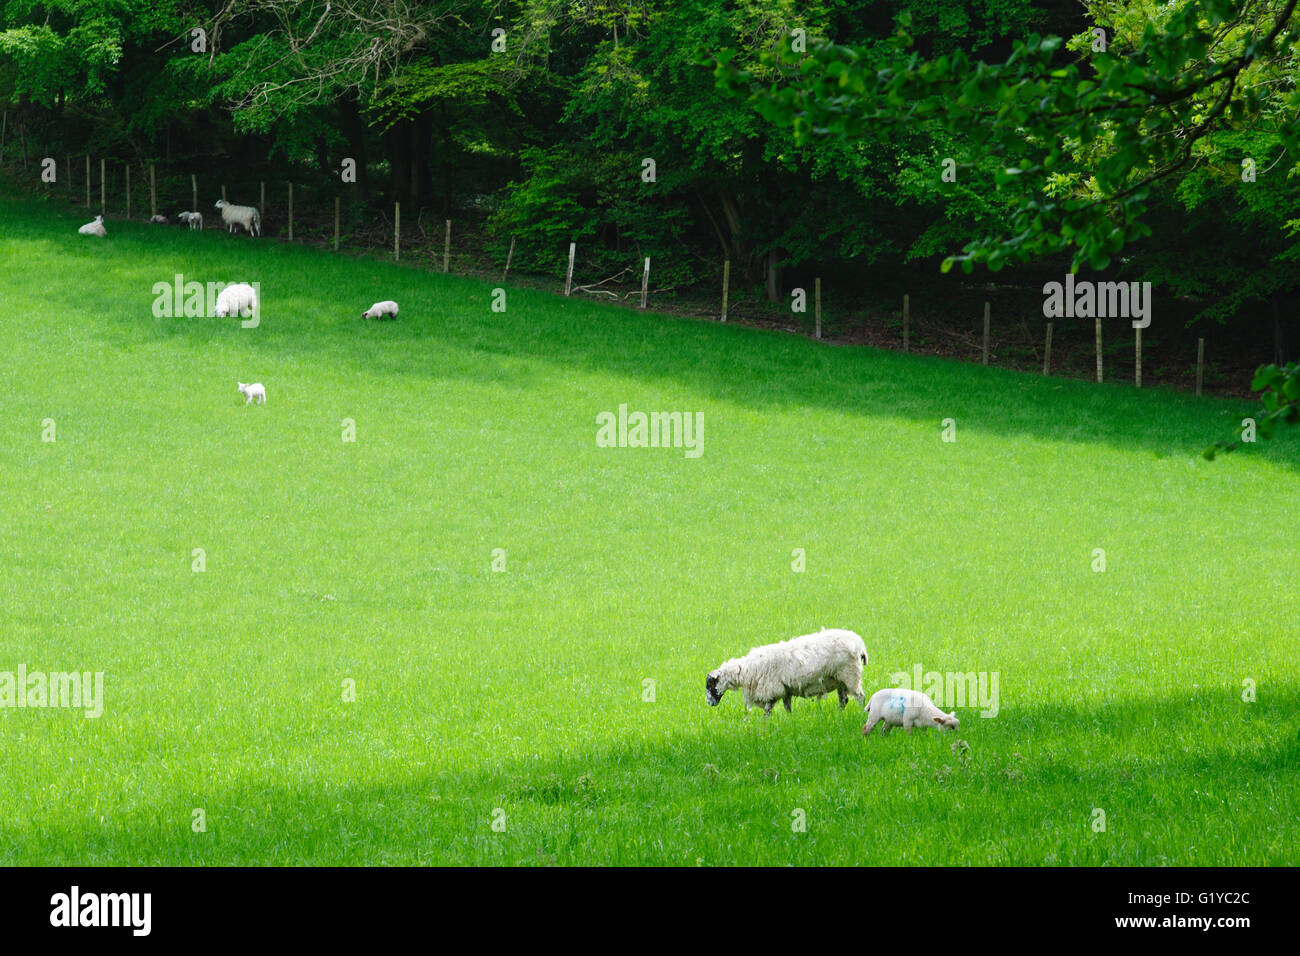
767 708
871 725
786 701
844 697
888 728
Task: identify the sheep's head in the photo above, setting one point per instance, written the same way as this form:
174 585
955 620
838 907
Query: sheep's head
718 683
220 203
711 692
947 721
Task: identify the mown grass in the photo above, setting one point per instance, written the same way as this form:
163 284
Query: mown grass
522 691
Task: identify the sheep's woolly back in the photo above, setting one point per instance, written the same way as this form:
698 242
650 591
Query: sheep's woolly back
800 666
236 299
246 216
380 309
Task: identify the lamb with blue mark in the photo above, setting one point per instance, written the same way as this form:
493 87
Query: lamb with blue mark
899 707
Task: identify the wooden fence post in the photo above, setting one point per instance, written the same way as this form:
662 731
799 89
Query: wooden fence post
336 223
290 211
153 193
509 256
1200 364
985 359
446 248
87 180
1047 350
907 322
645 281
397 231
128 190
817 307
194 192
103 186
1137 368
568 279
1099 349
726 284
261 200
223 193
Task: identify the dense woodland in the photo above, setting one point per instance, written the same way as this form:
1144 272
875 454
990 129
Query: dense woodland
793 139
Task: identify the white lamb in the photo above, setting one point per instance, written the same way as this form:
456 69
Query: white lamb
254 391
159 218
380 310
239 299
195 219
897 707
94 228
807 666
246 216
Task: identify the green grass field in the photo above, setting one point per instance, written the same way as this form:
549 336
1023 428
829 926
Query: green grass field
516 697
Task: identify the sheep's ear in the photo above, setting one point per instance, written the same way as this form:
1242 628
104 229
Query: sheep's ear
939 719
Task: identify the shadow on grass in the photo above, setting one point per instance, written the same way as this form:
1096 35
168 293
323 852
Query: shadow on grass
1206 779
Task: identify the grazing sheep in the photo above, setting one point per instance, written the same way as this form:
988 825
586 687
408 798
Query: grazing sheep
254 391
160 218
239 299
94 228
381 310
805 666
246 216
897 707
195 219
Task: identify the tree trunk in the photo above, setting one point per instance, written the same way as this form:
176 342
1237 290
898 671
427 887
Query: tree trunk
355 133
773 276
407 145
445 158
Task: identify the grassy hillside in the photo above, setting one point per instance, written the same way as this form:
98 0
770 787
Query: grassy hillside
518 696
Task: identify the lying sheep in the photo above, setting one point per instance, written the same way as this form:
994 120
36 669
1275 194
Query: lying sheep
239 299
195 219
896 707
159 218
246 216
254 391
381 310
94 228
806 666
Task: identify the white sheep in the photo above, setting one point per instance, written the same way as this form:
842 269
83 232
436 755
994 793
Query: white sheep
385 309
254 391
239 299
195 219
898 707
246 216
806 666
94 228
159 218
